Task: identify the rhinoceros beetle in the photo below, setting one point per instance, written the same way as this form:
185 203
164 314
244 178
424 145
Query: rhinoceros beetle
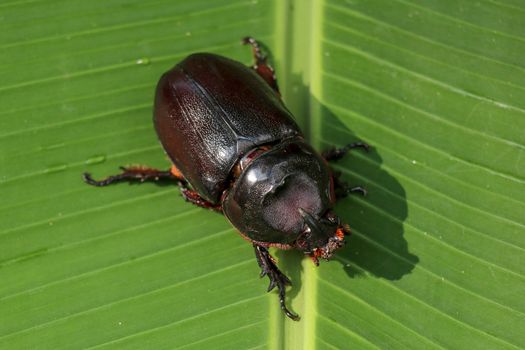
236 149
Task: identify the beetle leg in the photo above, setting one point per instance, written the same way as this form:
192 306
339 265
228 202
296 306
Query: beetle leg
338 153
260 66
194 198
277 278
342 189
133 173
358 189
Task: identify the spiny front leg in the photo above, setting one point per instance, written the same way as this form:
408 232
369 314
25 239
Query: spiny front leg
338 153
277 278
134 173
342 189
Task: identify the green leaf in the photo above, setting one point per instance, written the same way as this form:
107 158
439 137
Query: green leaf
436 256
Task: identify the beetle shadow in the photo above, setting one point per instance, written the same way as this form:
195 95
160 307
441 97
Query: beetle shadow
377 246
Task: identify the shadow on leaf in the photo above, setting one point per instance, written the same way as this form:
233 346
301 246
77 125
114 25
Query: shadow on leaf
377 245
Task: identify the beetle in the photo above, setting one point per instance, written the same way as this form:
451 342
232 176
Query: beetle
236 149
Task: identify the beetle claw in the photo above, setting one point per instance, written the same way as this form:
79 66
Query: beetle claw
260 58
271 286
90 181
358 189
277 278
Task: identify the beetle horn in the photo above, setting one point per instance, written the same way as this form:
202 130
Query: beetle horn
310 221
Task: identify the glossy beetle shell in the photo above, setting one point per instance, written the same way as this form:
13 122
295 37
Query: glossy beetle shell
209 111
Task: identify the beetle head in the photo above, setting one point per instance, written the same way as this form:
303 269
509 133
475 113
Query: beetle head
321 236
283 198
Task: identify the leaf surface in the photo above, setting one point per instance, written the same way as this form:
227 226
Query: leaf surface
436 256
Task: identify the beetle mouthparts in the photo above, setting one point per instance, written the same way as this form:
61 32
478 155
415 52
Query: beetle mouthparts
321 236
327 251
334 243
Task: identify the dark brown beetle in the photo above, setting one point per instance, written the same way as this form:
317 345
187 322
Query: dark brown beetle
236 149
